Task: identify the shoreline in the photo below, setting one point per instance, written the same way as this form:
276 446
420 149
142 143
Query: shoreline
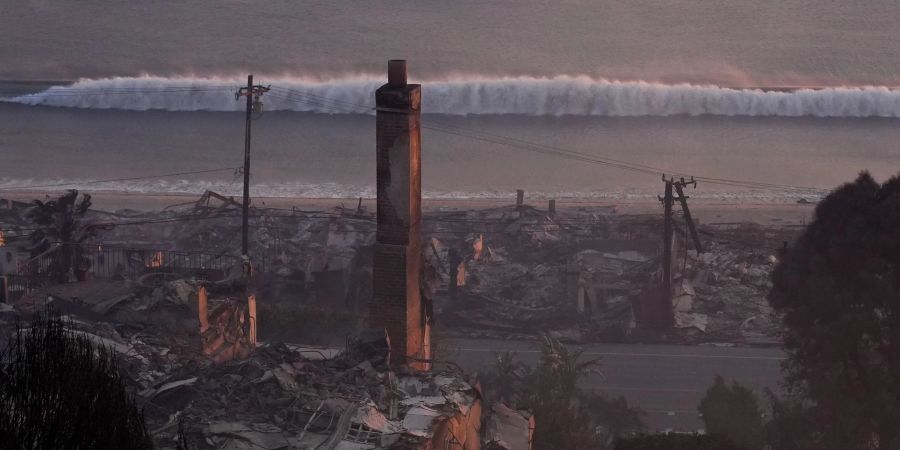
706 211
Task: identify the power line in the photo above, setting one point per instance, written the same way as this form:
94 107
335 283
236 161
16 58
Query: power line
324 102
497 139
340 106
288 94
494 138
566 153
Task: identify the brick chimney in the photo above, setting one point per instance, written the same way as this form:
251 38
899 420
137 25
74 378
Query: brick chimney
397 303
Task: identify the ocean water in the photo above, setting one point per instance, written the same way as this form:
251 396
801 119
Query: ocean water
788 99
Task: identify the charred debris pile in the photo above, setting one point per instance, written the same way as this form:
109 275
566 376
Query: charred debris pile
165 291
585 275
194 387
582 273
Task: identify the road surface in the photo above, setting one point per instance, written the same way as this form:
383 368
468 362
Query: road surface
665 381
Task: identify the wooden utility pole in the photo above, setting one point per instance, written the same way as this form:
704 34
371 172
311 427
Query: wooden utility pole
252 93
665 318
679 185
665 311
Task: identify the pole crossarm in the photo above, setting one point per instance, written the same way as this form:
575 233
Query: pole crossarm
255 91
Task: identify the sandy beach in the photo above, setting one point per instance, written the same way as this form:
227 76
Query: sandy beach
704 211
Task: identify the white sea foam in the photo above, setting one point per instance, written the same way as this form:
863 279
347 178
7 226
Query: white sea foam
553 96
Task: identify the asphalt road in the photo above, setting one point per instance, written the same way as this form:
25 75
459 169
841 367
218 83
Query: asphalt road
665 381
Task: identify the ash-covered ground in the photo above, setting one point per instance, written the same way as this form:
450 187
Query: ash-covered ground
583 274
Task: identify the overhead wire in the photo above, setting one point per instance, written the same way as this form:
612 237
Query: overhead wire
485 136
340 106
290 96
467 132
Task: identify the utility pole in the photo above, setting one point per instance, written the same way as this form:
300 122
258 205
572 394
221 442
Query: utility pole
252 93
666 318
665 311
679 185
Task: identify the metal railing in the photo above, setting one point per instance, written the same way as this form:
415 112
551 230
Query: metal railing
18 287
110 262
106 262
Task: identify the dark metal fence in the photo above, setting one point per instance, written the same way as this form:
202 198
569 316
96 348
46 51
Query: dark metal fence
18 287
108 262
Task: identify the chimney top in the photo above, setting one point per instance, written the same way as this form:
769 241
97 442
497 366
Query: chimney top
397 73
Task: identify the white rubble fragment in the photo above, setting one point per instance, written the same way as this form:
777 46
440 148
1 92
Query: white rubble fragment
168 386
285 379
419 419
430 400
370 416
508 429
628 255
691 320
183 291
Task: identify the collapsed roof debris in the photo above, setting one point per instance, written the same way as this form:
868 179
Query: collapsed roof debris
278 395
501 271
586 276
280 399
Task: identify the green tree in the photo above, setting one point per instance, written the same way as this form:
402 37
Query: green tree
611 417
794 424
565 416
505 379
838 288
59 390
551 395
60 225
732 412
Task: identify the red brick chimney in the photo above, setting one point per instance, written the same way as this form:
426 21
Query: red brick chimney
397 303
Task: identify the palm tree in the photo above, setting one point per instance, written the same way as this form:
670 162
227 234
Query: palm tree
60 227
564 367
553 396
505 378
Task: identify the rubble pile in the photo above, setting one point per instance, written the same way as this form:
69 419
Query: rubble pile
274 396
309 257
582 277
514 273
295 397
722 292
207 224
581 273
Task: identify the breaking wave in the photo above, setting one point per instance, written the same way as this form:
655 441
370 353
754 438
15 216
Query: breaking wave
553 96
